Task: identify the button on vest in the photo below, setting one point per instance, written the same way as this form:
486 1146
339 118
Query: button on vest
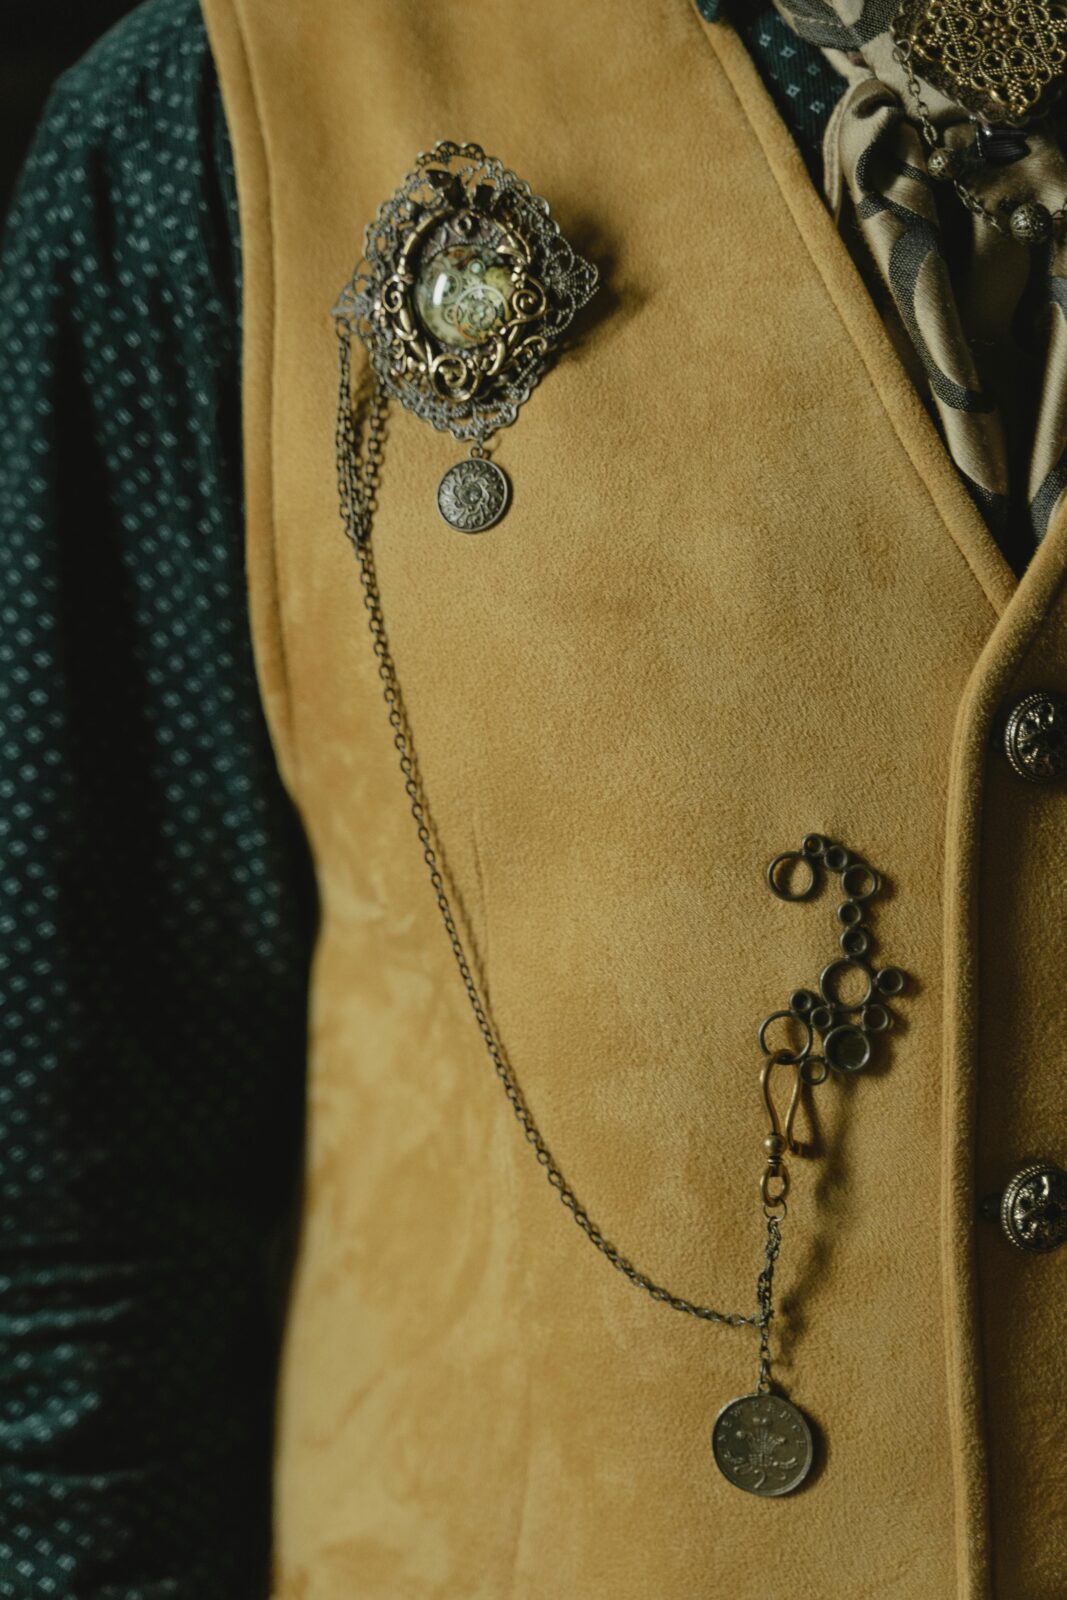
1033 1209
1035 736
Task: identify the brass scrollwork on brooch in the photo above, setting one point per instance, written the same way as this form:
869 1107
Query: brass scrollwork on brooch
476 294
465 288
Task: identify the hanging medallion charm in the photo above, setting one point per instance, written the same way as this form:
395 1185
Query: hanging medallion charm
763 1444
463 295
473 495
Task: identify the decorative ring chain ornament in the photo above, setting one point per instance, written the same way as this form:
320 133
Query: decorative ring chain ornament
1003 61
761 1442
464 292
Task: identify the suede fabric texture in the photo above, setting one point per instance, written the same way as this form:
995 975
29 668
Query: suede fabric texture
741 595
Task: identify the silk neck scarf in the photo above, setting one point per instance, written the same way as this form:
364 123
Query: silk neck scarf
979 319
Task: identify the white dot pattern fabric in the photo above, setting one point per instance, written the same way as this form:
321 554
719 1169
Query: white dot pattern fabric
157 902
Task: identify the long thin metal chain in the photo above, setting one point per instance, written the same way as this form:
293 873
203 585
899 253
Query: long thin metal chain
358 491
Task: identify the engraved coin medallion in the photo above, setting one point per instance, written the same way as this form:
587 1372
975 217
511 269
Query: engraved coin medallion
473 495
763 1444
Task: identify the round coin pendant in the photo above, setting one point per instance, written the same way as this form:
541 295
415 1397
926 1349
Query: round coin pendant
762 1444
473 495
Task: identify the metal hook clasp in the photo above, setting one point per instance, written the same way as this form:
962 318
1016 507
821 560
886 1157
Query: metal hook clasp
774 1183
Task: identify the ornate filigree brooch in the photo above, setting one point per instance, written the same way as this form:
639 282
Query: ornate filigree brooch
464 292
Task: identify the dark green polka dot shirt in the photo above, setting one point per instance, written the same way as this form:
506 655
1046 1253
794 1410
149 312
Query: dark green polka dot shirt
158 901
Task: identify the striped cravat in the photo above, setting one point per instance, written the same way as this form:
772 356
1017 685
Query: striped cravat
978 318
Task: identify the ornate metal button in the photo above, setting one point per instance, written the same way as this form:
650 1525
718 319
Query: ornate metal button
1035 737
1033 1209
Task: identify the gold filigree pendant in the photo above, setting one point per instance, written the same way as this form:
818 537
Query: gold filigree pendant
1002 60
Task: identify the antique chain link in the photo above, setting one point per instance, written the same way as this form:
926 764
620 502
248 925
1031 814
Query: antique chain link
358 498
765 1295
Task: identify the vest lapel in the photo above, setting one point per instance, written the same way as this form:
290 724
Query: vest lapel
909 419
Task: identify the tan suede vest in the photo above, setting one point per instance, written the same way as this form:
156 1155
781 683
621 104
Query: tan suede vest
741 595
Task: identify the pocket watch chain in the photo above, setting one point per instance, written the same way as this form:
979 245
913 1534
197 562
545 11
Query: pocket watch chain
761 1442
358 490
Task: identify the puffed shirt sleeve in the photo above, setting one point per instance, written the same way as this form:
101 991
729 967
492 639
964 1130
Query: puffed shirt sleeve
157 900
